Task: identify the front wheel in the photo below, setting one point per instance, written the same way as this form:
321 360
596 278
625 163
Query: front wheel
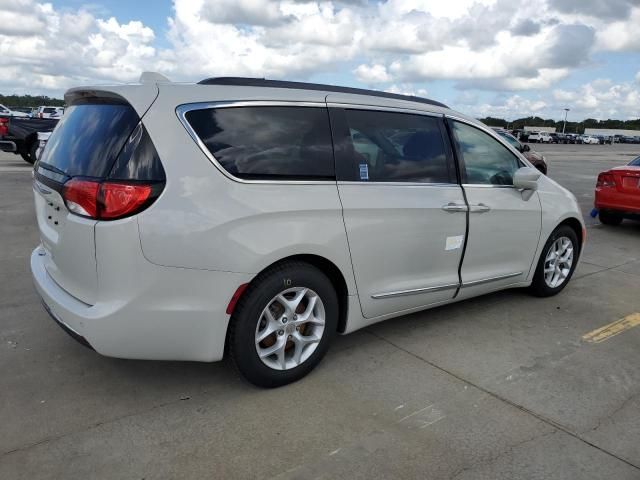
283 324
557 262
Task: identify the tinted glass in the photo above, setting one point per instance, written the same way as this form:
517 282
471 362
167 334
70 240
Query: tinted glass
486 160
268 142
138 159
515 143
397 147
636 162
88 139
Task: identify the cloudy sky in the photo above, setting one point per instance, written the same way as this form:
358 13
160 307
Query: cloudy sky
504 58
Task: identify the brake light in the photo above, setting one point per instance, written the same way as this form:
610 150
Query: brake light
81 197
4 126
105 200
606 180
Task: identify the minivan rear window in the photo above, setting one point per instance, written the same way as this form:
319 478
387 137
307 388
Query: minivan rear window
261 142
88 138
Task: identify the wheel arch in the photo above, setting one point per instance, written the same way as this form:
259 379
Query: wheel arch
332 271
576 226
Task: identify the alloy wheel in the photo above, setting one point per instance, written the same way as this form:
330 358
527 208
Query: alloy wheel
290 328
558 262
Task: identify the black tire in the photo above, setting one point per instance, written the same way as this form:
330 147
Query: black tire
29 156
539 286
609 218
26 157
248 311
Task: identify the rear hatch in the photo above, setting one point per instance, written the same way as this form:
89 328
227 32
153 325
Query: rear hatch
94 141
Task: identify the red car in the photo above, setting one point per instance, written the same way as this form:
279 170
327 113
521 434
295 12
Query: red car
618 194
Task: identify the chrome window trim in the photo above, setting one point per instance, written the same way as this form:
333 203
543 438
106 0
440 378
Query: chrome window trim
486 185
360 106
399 184
183 109
491 279
415 291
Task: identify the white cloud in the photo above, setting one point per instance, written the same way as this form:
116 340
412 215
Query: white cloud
407 90
395 45
621 35
69 48
602 99
372 74
514 106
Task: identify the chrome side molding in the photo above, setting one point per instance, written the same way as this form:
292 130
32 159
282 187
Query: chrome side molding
489 280
415 291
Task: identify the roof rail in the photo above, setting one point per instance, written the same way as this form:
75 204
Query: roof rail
263 82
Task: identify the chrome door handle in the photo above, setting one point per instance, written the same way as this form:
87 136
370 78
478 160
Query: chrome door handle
479 208
454 207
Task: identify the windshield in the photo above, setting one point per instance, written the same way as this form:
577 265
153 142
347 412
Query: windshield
88 139
635 162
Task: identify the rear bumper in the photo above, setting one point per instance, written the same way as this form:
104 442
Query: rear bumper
172 314
73 334
619 202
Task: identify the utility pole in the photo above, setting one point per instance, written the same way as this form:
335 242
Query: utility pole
566 110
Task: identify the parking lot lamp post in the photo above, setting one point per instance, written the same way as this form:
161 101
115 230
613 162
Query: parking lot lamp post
566 110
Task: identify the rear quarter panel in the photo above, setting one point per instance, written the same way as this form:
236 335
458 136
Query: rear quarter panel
204 220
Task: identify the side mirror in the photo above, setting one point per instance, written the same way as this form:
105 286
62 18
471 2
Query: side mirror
526 178
525 148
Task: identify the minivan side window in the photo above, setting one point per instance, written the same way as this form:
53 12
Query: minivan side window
394 147
486 160
270 143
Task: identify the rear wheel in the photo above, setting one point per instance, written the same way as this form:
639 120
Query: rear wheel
557 262
609 218
283 324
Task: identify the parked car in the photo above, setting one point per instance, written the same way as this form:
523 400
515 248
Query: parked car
7 112
49 112
194 220
556 138
540 137
618 193
590 139
536 159
533 137
20 135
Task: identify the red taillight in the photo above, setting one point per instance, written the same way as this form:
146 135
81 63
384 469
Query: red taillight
606 180
105 200
4 126
119 199
81 197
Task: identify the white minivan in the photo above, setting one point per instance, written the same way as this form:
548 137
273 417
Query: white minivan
257 218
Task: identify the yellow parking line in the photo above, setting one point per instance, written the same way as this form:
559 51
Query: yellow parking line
603 333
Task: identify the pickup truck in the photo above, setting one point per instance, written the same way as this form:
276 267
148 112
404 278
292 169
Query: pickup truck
20 135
